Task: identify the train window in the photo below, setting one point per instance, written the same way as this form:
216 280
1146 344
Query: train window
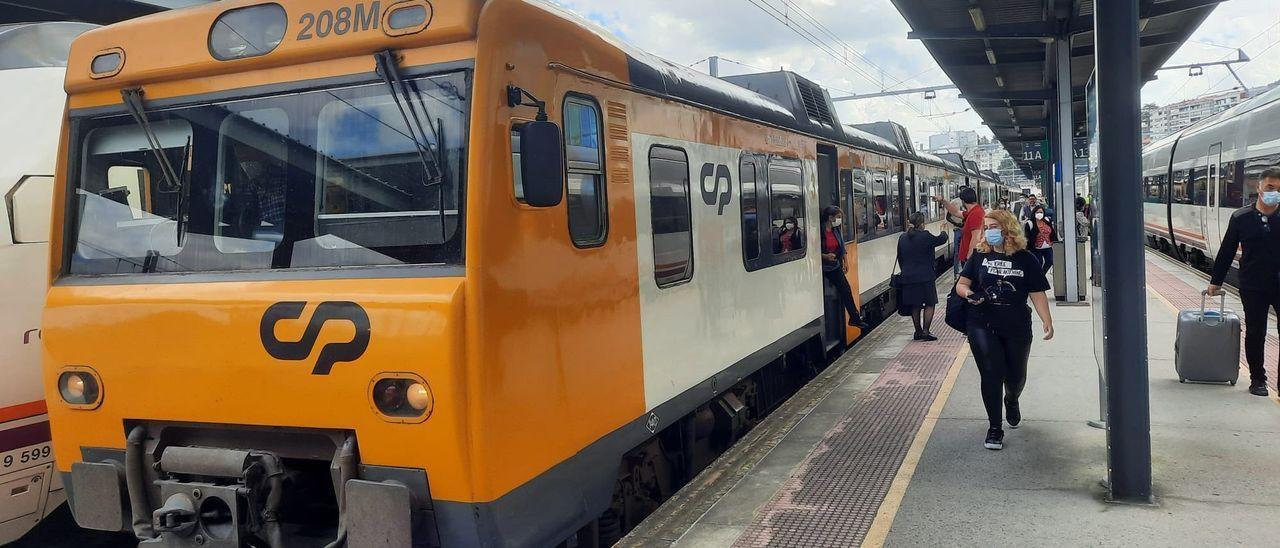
1252 170
1200 186
847 204
878 218
129 185
1231 193
786 208
861 206
252 165
1180 189
310 179
671 216
585 155
750 213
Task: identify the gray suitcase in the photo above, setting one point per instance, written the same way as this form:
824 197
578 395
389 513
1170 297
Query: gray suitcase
1207 348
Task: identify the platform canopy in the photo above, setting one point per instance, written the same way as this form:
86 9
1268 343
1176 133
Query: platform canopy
1000 54
101 12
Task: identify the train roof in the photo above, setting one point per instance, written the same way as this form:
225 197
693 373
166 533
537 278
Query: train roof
46 44
780 98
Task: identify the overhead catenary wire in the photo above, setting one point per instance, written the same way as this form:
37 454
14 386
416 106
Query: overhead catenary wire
823 46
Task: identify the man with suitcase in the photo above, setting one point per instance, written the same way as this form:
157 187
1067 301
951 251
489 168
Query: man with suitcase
1256 229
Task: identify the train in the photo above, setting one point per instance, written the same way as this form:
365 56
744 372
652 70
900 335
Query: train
451 273
1195 179
31 74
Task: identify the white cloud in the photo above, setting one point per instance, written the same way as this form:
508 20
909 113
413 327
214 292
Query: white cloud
685 31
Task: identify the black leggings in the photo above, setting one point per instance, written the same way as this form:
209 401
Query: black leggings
836 277
1003 364
1256 306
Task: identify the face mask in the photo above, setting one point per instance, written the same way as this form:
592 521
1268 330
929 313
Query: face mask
1039 216
837 221
789 226
1271 197
994 236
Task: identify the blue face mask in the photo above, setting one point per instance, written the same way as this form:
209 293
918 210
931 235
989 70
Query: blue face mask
1271 197
994 236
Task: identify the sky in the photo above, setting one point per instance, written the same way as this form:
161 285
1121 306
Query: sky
750 35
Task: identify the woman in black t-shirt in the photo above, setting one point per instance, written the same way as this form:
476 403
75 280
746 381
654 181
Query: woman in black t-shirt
998 280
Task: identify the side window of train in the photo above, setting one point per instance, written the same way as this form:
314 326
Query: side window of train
787 230
1181 188
880 214
584 155
1232 189
750 214
1200 185
670 215
861 206
848 201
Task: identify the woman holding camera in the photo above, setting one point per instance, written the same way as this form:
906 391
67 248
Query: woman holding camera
998 280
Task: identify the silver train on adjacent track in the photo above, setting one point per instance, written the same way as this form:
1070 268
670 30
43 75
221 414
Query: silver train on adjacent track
1194 180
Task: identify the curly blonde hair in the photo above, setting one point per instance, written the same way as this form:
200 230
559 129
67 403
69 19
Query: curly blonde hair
1014 238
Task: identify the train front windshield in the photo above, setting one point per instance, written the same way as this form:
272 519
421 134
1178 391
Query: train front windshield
350 176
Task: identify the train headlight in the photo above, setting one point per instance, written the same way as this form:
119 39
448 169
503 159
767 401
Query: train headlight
80 388
401 397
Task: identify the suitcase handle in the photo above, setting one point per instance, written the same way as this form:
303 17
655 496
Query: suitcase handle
1221 316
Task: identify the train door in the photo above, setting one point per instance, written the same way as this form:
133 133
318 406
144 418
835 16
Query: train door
1213 214
829 194
904 195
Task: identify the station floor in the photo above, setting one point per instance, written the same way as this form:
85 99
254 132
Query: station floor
885 449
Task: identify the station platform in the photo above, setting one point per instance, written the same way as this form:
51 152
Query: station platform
885 449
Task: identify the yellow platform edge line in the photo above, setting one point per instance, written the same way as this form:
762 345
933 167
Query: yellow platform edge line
883 521
1275 396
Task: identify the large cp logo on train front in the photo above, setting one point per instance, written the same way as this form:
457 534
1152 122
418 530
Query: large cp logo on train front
299 350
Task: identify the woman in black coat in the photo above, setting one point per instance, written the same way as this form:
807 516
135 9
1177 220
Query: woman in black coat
916 259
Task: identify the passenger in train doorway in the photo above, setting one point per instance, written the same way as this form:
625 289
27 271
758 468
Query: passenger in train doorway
834 265
1041 234
971 229
1256 229
915 259
998 281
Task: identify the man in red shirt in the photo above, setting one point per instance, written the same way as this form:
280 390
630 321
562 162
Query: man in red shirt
972 214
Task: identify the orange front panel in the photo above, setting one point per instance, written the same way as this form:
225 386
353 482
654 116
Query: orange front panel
192 352
554 330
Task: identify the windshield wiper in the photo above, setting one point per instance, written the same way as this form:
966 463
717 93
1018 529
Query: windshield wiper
133 101
432 163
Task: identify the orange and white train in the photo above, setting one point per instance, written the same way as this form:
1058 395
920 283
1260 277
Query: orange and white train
455 273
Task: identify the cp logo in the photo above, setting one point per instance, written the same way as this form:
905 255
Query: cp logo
714 196
299 350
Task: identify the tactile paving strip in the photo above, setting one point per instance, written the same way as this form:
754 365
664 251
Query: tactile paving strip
1182 295
834 494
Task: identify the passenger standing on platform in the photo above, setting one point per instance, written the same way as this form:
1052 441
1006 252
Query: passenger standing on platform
1040 237
915 258
1256 229
971 231
998 280
834 266
1025 212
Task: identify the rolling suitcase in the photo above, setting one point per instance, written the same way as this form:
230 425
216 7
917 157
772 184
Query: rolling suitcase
1207 347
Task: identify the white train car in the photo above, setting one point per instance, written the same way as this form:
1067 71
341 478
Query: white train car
1194 180
33 60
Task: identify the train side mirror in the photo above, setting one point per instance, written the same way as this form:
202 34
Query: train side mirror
541 163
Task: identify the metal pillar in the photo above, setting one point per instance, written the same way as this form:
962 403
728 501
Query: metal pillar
713 66
1066 160
1123 276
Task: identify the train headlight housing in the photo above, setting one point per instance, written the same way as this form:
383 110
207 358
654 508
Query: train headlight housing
401 397
80 388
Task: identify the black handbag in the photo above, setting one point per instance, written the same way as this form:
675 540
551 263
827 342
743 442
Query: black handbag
957 316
